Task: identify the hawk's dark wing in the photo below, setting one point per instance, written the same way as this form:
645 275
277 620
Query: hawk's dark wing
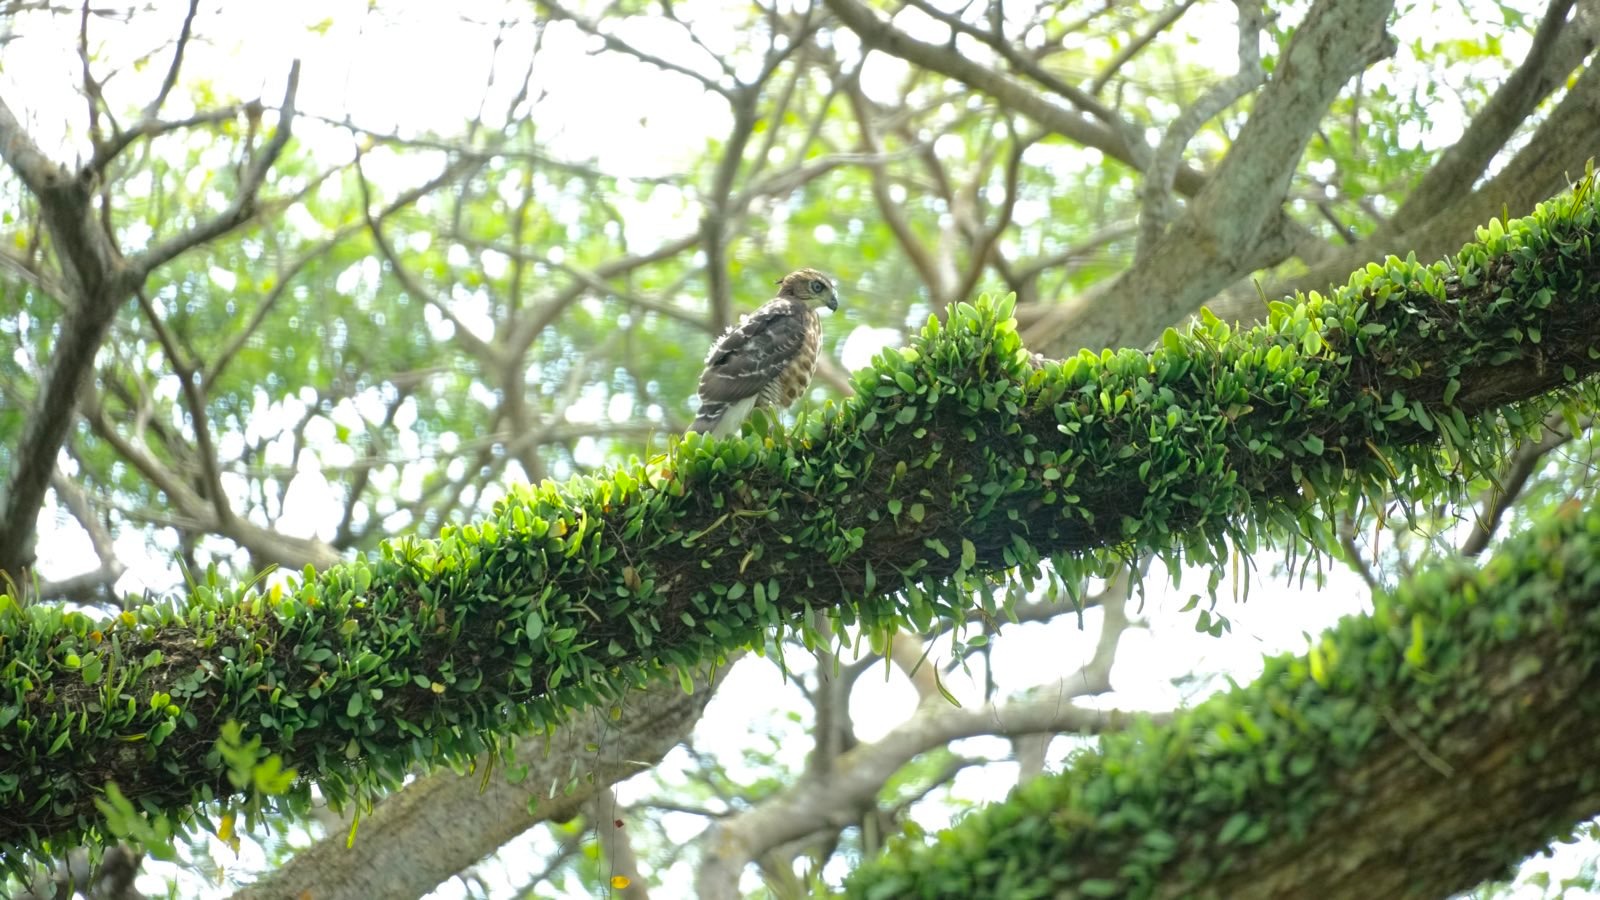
751 356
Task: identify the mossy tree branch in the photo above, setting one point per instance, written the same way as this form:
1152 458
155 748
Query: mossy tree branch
959 460
1413 753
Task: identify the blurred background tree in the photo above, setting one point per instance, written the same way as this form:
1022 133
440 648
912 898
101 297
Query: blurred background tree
262 313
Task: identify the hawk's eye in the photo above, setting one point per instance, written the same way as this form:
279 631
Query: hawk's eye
818 287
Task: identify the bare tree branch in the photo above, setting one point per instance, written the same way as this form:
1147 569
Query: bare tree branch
96 280
171 79
243 206
268 546
927 269
831 796
1162 23
812 804
486 151
1524 463
195 400
996 39
77 502
107 150
720 211
609 822
1554 53
36 170
285 278
492 357
690 32
91 87
528 330
345 536
1156 204
567 848
1233 226
94 586
41 280
445 822
881 35
614 43
1353 557
983 249
1556 152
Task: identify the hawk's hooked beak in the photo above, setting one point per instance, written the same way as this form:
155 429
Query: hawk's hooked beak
833 300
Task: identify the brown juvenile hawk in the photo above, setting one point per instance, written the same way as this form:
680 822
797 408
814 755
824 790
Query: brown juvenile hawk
767 359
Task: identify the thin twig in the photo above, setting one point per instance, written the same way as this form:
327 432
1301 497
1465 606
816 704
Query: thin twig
194 399
489 354
106 151
614 43
1513 479
985 248
1162 23
171 78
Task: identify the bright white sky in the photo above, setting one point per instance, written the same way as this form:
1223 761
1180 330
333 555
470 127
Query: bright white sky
420 65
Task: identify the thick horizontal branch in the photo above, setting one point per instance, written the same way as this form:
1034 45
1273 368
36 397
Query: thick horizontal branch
957 461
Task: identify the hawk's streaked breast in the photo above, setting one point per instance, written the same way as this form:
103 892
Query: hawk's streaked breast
796 377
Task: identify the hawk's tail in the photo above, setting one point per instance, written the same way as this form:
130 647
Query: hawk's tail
722 419
707 419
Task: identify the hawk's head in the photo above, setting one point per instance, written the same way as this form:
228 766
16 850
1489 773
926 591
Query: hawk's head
809 286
